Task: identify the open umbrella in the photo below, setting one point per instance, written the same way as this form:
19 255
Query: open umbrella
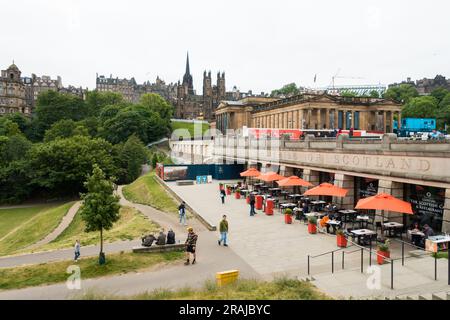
270 176
326 189
384 201
252 172
293 181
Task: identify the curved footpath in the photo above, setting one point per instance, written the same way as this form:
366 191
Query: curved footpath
211 259
65 222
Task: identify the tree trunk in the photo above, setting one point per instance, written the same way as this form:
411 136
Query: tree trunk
101 240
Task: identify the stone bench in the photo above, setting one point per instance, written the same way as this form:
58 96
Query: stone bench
185 182
157 248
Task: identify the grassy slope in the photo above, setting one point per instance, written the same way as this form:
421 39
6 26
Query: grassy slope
189 126
280 289
49 273
13 218
33 229
131 225
147 190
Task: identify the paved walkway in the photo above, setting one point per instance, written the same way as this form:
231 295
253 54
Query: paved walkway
65 222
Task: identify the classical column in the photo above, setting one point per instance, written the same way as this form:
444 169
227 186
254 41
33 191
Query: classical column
392 121
327 118
384 121
300 119
294 119
308 119
311 176
336 118
319 118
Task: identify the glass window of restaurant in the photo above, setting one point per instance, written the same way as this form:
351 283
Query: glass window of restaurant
298 172
427 204
365 187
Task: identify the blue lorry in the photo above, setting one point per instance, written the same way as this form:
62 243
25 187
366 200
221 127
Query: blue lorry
411 126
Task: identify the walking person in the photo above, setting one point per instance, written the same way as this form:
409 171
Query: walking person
222 195
223 228
182 213
252 205
77 250
190 244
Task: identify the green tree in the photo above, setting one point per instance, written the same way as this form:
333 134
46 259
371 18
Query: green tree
154 160
60 166
288 89
374 94
100 208
445 102
349 93
64 129
22 121
8 128
420 107
130 156
54 106
401 93
96 101
14 181
13 148
439 94
156 103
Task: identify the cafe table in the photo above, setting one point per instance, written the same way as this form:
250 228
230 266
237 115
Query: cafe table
416 237
314 214
295 196
391 226
359 233
362 220
285 206
334 224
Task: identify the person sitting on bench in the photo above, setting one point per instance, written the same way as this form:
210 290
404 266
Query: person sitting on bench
161 238
148 240
170 237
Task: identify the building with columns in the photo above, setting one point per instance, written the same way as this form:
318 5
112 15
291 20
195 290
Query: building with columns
410 170
311 111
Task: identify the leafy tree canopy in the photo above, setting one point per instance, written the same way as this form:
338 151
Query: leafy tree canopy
64 129
96 101
401 93
420 107
288 89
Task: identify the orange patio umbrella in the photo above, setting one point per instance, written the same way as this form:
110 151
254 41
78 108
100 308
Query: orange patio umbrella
326 189
384 201
270 176
293 181
252 172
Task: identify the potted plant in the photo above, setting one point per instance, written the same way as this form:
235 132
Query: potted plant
341 239
288 216
383 251
312 225
237 193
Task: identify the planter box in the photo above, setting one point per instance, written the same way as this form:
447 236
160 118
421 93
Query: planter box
287 219
312 228
386 254
237 195
341 241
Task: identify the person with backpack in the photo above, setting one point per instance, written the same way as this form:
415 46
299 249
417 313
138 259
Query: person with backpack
182 212
191 243
170 237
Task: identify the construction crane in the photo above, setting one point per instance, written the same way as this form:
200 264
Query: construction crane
337 76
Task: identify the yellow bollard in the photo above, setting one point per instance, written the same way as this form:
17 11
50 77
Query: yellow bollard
226 277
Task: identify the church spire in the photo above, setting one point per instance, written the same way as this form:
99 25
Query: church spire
187 64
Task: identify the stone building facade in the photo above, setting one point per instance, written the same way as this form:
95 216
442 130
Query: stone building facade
426 86
132 91
13 96
311 111
19 94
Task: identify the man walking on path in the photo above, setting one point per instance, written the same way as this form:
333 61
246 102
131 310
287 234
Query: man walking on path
223 228
252 205
222 195
77 250
182 213
190 243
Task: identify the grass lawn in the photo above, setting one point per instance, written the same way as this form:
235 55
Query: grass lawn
146 190
189 126
131 225
279 289
54 272
26 231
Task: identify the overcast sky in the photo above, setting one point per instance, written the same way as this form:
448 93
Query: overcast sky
260 44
